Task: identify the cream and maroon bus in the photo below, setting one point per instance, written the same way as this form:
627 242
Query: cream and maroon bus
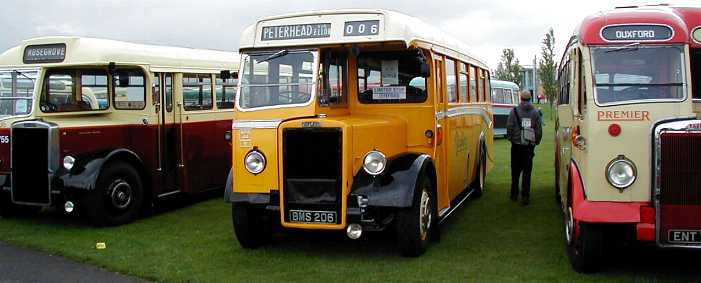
354 120
106 128
629 131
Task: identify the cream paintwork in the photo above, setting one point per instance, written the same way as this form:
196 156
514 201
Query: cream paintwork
634 141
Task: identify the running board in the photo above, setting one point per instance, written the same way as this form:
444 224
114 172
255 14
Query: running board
454 207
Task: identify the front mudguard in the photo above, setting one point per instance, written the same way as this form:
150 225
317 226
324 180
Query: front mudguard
87 168
395 187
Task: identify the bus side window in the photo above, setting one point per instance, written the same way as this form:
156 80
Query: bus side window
581 85
463 83
197 91
129 90
450 80
225 92
473 84
169 92
487 86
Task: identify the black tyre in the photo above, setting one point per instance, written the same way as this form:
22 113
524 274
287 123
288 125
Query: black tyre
117 198
478 185
585 249
251 226
9 209
417 224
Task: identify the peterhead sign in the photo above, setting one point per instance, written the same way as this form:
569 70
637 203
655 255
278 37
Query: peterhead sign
45 53
301 31
637 33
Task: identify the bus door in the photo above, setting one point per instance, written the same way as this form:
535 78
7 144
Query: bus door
169 150
441 122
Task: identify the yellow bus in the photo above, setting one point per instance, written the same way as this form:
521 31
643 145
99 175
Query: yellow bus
353 120
106 128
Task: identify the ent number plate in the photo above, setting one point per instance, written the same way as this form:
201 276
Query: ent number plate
306 216
684 236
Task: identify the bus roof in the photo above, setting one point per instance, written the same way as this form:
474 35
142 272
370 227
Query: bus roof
645 24
393 26
503 84
84 50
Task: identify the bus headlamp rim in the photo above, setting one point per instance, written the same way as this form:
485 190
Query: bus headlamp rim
254 156
374 156
68 162
628 168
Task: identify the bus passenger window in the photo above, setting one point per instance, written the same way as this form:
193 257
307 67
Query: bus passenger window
450 78
463 83
94 91
334 87
481 86
68 91
391 77
225 90
129 90
197 91
473 84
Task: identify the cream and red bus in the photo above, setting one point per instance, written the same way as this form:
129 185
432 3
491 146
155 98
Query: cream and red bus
353 120
628 131
106 128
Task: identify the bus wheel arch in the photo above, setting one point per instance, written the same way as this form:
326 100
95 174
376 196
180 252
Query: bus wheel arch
584 241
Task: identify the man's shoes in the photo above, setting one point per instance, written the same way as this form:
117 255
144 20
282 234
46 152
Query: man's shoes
525 201
514 198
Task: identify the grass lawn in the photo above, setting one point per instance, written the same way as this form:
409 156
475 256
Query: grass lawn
489 239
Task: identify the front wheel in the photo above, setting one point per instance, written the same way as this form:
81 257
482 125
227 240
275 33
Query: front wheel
584 248
251 227
117 197
415 224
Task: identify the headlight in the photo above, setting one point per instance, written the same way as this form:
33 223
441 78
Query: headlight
697 34
374 162
621 172
68 162
255 162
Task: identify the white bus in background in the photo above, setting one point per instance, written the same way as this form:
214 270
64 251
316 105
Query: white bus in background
504 98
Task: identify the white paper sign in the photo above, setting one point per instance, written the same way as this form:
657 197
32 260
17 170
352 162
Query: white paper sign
389 92
390 72
525 122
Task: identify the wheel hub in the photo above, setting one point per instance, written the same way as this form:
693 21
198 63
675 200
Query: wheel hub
425 215
120 194
569 226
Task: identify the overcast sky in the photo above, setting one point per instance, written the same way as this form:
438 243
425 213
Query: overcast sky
488 26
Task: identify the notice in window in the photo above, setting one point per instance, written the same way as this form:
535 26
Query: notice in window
390 72
389 92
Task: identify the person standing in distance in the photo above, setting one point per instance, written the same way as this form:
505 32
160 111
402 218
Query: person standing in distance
524 130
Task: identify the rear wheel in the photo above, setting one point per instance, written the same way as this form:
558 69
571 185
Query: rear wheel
415 224
584 248
117 197
9 209
478 185
251 227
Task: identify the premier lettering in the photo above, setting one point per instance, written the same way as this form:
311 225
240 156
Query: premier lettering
296 31
635 34
623 115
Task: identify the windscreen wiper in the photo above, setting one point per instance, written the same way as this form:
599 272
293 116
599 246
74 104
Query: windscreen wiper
276 55
629 47
22 74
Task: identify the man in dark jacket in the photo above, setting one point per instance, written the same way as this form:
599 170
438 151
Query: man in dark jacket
524 130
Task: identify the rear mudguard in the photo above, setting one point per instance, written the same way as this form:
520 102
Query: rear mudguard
87 169
395 187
